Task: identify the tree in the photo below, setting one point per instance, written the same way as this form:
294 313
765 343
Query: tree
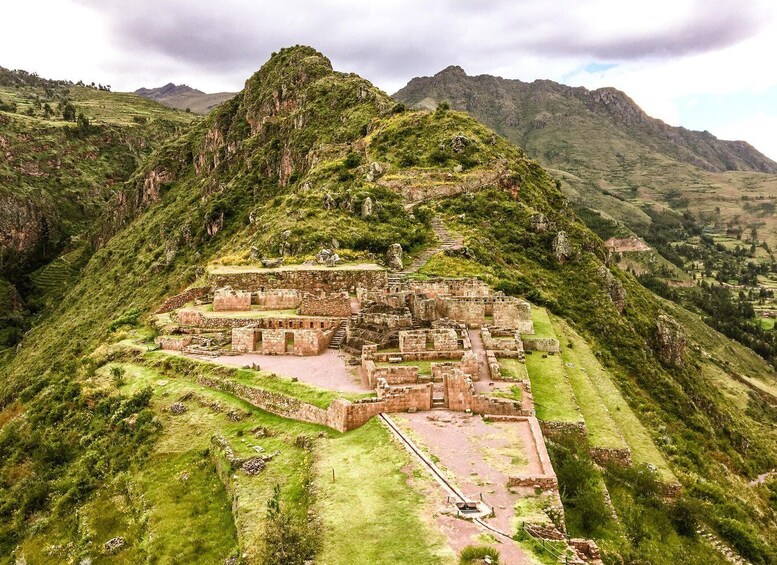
69 112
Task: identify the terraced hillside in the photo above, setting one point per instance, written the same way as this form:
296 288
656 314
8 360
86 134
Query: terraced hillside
58 174
93 424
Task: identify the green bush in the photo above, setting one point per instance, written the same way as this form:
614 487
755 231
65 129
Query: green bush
476 554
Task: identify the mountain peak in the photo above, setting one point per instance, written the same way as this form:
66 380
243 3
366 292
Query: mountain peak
452 70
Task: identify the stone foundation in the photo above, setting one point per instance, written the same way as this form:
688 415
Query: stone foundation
544 344
228 300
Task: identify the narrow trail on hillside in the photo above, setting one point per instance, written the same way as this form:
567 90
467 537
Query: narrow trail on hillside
446 241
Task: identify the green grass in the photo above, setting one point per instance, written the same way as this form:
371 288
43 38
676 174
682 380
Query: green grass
513 369
513 393
768 323
602 429
554 400
443 265
643 450
190 519
371 512
187 437
542 325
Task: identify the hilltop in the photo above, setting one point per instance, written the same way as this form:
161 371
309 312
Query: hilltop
183 97
111 447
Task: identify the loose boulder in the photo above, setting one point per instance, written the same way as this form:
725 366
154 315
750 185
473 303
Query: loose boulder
394 257
367 207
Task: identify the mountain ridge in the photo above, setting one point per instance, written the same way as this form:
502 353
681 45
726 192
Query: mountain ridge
716 155
184 97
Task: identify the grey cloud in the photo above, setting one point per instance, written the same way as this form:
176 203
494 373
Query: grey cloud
389 42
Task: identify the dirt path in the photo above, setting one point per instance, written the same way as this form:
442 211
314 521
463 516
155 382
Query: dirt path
327 370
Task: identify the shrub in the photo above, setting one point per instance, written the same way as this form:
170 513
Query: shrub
476 554
287 539
129 318
118 375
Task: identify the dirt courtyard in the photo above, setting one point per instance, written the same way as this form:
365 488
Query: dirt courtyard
478 456
327 370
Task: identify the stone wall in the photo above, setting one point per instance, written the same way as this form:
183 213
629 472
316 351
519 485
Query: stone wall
603 455
464 310
170 343
278 299
405 398
391 321
497 340
179 300
281 341
418 355
189 317
515 314
244 339
469 365
307 280
228 300
334 305
412 340
545 344
450 287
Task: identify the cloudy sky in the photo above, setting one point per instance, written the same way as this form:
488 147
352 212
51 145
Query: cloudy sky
703 64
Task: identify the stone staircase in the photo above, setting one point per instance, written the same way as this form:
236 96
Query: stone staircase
337 339
446 242
730 555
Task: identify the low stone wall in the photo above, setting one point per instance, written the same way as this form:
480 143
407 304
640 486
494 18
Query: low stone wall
228 300
544 482
337 305
170 343
179 300
417 356
603 455
306 280
493 366
493 405
552 429
472 287
439 339
399 374
544 344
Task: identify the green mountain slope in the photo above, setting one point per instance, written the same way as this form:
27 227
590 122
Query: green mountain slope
611 156
56 175
285 168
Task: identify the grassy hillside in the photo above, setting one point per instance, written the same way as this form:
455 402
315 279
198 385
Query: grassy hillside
58 174
283 168
611 156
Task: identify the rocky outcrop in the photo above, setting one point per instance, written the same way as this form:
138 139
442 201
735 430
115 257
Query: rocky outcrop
671 340
561 247
613 287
